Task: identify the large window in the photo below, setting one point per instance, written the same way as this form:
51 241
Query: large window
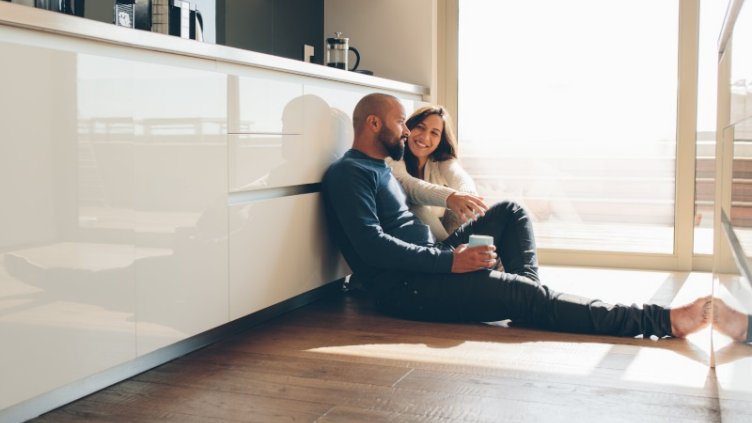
570 107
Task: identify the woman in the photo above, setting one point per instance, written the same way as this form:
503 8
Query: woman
431 156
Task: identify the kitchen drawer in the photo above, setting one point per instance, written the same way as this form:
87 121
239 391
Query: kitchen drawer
262 102
270 161
279 248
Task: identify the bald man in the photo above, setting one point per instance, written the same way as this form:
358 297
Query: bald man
410 275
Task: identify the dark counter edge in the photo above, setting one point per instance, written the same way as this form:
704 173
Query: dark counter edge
26 17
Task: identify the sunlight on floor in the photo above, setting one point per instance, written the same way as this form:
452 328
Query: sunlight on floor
686 367
552 357
675 362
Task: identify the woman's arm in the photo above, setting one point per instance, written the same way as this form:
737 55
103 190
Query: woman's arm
420 192
457 177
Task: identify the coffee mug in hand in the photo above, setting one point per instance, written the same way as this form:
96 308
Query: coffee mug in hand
476 240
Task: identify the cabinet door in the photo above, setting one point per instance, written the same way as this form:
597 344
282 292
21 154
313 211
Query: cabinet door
279 248
328 115
66 231
181 202
263 102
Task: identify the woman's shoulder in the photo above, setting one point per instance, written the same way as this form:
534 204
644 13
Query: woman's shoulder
446 165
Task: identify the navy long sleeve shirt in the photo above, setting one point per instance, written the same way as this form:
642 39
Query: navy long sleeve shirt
367 213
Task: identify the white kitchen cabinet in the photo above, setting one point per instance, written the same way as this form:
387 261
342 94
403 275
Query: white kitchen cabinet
279 249
340 100
272 161
66 231
180 199
259 161
263 102
117 164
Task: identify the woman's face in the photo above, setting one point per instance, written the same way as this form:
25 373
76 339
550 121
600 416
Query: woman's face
426 136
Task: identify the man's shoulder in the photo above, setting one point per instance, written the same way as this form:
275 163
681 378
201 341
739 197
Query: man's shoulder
351 164
346 171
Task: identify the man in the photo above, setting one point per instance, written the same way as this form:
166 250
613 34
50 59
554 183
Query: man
409 275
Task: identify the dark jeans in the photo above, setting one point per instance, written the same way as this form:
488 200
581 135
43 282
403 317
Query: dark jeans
516 293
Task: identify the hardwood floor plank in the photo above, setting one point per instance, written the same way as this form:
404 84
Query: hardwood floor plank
93 412
158 399
309 367
578 394
347 414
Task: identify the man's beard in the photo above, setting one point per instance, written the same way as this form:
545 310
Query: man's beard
395 149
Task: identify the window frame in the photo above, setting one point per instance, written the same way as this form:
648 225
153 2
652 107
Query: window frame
683 257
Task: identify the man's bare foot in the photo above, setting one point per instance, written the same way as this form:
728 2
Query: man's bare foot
729 321
691 317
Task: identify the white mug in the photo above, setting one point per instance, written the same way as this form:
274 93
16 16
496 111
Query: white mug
476 240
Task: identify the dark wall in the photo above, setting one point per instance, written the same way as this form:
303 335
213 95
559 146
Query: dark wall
102 11
278 27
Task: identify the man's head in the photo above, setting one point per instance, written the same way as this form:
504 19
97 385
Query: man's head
379 124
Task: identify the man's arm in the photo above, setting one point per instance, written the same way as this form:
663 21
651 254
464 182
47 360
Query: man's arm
352 197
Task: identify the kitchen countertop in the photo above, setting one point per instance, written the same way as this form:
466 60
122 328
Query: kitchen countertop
72 26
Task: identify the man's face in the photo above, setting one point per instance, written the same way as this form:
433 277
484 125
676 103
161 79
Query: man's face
393 133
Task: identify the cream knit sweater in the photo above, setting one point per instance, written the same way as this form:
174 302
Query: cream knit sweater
427 198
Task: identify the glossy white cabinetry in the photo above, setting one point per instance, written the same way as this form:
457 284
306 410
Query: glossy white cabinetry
117 168
340 100
113 229
278 249
180 201
67 246
262 101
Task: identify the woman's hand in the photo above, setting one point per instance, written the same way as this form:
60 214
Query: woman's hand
469 259
466 206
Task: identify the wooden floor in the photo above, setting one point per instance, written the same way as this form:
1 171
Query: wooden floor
337 360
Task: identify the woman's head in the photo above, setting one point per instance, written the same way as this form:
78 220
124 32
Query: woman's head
431 137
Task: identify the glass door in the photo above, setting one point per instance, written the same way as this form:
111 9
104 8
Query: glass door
574 109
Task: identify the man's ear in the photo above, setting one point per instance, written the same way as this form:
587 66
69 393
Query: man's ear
373 122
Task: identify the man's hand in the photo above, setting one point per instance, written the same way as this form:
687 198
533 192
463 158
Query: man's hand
466 206
470 259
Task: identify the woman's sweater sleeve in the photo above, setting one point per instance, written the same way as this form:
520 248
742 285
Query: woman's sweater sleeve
457 177
420 192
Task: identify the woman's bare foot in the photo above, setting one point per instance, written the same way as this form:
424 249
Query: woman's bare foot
691 317
729 321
